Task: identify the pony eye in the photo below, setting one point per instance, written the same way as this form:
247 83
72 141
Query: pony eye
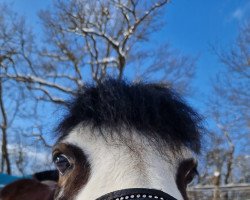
62 163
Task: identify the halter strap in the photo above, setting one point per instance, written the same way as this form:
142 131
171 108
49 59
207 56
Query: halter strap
137 194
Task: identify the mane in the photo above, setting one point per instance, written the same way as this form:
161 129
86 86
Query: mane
151 109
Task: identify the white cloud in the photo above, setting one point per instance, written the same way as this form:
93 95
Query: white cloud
238 14
33 157
241 12
30 152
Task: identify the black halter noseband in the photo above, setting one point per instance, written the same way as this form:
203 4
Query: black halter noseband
137 194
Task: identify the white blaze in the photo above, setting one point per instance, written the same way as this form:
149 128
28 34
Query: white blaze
117 165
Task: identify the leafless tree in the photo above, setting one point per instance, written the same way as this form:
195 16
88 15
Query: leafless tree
5 161
99 34
15 43
100 37
233 84
242 166
229 106
88 40
171 67
212 167
5 56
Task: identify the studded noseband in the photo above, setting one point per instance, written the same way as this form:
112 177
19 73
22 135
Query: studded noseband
137 194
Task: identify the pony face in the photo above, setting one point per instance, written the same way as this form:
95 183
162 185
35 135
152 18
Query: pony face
118 135
91 166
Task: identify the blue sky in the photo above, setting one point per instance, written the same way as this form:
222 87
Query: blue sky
194 26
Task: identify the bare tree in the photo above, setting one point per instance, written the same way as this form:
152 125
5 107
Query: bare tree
15 43
100 37
5 161
171 67
88 40
233 84
5 54
242 166
229 106
99 34
214 161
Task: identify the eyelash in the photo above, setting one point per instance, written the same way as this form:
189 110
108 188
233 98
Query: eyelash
62 163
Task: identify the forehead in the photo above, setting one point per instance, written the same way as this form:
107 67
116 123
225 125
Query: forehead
90 141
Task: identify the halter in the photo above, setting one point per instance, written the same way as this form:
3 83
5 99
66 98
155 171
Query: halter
137 194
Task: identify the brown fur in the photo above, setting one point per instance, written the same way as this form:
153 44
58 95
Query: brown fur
27 189
76 177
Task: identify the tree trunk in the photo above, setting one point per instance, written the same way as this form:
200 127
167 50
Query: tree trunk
121 67
229 164
5 154
230 158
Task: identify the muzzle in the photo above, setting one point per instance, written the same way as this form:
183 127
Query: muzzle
137 194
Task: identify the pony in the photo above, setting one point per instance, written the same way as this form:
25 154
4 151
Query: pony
40 187
121 140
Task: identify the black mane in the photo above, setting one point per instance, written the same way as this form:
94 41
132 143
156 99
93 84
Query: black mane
151 109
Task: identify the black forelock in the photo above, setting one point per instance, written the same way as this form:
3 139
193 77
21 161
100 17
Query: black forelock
150 109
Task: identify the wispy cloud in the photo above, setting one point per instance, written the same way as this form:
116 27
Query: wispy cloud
242 12
238 14
30 152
